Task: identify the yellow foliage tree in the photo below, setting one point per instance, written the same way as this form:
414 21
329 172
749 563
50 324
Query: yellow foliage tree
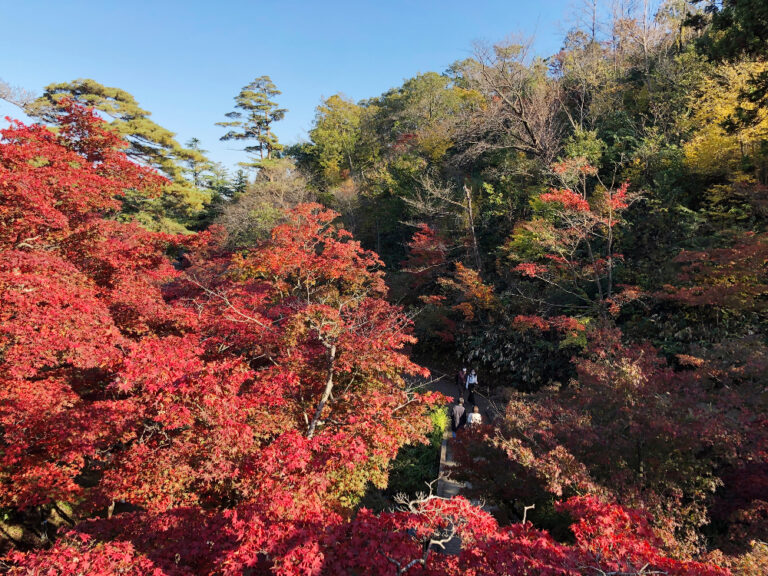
721 144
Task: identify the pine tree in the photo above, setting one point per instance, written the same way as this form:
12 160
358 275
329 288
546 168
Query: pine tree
149 142
252 119
181 203
240 183
197 164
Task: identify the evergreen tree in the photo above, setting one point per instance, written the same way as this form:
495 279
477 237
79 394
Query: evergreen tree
217 180
255 111
197 164
181 204
740 30
149 142
240 183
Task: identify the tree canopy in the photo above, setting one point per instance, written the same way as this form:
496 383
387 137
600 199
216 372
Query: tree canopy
255 112
149 143
203 372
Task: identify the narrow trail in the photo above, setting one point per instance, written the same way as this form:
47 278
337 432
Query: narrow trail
447 487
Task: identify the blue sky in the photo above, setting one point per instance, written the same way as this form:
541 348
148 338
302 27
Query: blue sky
184 61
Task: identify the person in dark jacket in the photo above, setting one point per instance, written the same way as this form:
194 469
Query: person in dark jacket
461 380
458 416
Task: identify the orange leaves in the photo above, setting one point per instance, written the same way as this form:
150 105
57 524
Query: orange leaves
474 288
569 199
617 200
531 322
531 269
307 253
306 307
574 167
473 294
565 324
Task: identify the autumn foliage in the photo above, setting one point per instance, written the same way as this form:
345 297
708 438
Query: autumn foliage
569 246
127 382
632 430
223 413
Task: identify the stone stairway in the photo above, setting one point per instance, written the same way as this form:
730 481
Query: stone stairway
447 486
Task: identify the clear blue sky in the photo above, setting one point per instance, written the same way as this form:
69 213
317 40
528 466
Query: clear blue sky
184 61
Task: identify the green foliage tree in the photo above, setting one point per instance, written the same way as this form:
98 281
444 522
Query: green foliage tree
424 111
335 137
240 183
738 27
149 142
196 165
255 112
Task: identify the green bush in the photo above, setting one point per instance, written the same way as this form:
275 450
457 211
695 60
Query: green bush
418 464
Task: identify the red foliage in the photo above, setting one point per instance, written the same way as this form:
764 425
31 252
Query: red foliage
569 245
569 199
53 183
229 416
574 167
192 395
632 430
608 538
619 200
564 324
531 269
74 289
427 253
613 539
728 278
406 140
73 558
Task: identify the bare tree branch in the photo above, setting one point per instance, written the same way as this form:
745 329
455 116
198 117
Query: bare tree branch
15 95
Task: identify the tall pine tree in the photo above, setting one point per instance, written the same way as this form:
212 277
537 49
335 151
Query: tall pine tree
255 111
149 142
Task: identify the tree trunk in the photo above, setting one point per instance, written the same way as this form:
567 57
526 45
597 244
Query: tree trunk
475 250
326 392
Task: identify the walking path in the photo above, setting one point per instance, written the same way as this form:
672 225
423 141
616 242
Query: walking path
446 486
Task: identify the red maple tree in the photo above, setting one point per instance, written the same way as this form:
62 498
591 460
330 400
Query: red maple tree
569 246
226 417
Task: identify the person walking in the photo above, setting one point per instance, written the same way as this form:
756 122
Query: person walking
471 384
458 416
461 380
474 417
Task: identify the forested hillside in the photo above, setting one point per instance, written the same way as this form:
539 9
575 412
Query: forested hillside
210 371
